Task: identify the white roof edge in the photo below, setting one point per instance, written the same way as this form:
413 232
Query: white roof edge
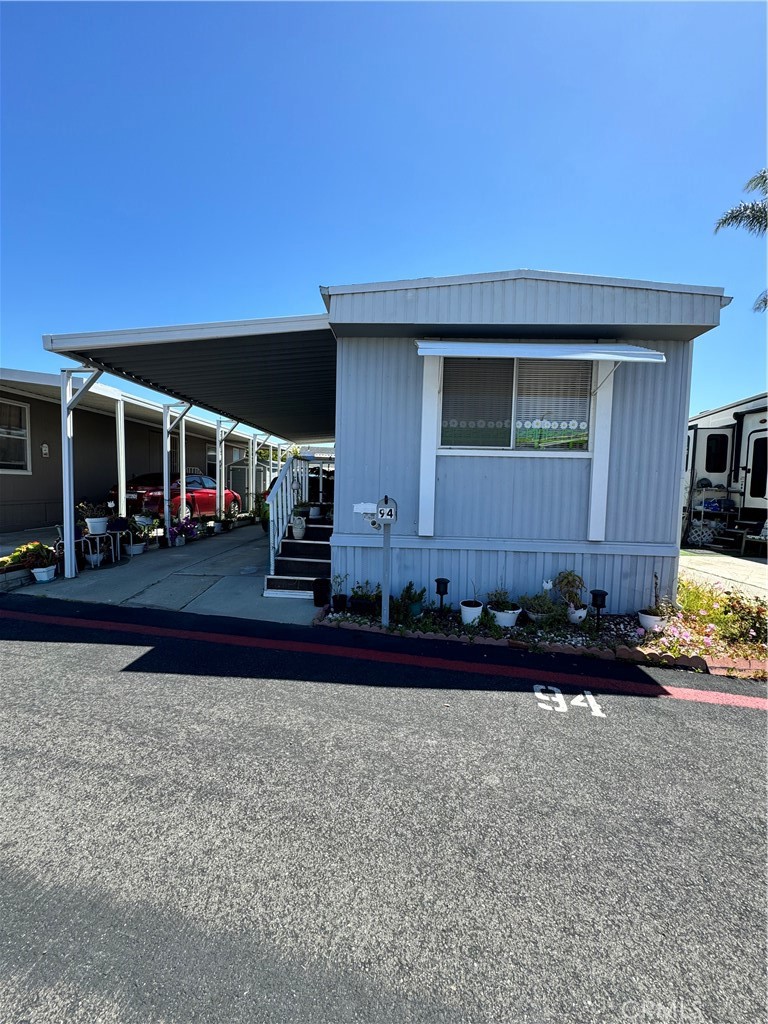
511 275
187 332
52 380
610 351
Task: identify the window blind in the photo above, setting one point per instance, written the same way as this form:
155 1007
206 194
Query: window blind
552 405
477 402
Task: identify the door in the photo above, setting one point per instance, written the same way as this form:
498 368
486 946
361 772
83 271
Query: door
757 471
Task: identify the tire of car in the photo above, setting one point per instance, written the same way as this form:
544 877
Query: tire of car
189 511
234 509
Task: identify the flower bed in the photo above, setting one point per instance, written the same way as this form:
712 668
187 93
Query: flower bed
710 629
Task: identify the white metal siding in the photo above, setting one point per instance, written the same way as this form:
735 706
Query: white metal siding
647 439
524 301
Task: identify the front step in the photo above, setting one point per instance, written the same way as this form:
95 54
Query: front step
312 567
305 549
289 586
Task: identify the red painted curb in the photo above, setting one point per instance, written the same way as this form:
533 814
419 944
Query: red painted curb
398 658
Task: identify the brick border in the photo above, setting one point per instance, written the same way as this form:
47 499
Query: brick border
744 668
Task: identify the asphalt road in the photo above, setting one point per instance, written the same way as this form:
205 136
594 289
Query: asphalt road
343 831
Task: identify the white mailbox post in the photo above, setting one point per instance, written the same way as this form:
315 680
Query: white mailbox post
381 516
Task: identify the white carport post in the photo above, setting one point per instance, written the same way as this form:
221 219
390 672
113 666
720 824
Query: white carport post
68 402
221 436
251 496
120 440
168 427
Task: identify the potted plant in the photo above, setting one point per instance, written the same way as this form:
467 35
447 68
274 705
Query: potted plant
654 617
471 610
412 600
298 527
538 606
338 597
40 560
570 586
97 548
137 542
504 610
362 599
95 516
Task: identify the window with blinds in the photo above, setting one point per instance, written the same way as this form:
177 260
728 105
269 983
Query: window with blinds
552 404
526 404
477 402
14 437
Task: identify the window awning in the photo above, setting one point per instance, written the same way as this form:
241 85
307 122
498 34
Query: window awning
539 350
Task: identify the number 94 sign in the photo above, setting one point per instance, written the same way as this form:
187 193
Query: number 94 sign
386 511
555 701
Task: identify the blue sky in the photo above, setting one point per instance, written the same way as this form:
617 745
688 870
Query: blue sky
178 163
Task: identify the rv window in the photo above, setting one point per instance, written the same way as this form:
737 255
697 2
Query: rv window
539 405
757 480
717 453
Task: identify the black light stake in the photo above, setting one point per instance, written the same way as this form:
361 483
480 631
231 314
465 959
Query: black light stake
598 603
442 589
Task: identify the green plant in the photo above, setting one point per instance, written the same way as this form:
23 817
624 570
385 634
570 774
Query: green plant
91 510
539 604
570 587
338 581
658 608
501 601
34 555
363 590
410 595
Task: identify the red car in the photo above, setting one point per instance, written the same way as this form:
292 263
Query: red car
136 491
201 498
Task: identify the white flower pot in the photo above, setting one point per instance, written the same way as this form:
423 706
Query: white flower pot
94 558
136 549
98 526
505 619
314 511
576 615
651 623
470 612
299 527
45 574
536 616
218 528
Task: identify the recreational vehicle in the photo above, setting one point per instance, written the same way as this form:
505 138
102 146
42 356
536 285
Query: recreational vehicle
725 470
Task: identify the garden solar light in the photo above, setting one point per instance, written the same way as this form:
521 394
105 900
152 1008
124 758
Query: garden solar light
442 589
598 603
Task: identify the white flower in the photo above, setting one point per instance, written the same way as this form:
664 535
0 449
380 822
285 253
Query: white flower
462 423
481 423
519 424
537 423
564 425
583 425
471 423
454 423
546 424
547 584
527 424
573 424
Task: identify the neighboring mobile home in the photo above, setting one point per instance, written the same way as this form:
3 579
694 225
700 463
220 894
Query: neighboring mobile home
524 421
30 446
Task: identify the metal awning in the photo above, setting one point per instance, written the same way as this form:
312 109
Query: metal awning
539 350
277 375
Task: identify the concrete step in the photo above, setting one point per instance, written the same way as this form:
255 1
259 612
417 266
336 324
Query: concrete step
310 567
305 549
289 586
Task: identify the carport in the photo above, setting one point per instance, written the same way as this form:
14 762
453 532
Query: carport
276 376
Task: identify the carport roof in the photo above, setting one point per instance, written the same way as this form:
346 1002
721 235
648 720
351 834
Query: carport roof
276 375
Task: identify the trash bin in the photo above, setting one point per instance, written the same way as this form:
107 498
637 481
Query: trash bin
321 589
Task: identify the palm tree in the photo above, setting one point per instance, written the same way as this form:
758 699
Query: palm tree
753 216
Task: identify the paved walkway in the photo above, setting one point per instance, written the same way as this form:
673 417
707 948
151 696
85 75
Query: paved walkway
222 575
749 575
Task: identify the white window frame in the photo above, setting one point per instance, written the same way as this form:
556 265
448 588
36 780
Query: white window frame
507 451
28 432
599 449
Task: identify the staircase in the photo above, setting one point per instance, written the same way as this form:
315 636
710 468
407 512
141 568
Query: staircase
298 563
